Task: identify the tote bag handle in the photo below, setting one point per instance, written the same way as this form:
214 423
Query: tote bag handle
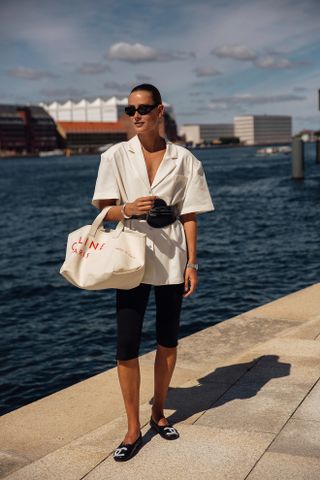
99 220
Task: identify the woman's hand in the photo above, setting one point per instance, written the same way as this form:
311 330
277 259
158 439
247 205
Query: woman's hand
140 206
190 281
189 221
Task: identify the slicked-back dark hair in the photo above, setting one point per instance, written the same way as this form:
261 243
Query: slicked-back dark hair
149 88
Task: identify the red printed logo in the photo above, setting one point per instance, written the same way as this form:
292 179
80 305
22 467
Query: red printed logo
82 247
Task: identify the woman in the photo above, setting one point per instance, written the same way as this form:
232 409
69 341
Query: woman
158 188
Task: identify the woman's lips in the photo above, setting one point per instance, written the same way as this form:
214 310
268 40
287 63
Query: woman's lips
139 124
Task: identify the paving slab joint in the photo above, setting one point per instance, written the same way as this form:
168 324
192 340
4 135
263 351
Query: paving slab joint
281 429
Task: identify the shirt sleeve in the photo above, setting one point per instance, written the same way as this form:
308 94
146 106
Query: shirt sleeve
197 197
106 187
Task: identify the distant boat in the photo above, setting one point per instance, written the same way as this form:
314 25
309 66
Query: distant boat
285 149
274 150
103 148
51 153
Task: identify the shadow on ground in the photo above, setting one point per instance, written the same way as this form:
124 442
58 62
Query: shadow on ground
224 384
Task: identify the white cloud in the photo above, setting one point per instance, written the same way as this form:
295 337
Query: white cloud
132 53
27 73
62 37
91 68
249 99
237 52
277 63
137 52
206 71
271 26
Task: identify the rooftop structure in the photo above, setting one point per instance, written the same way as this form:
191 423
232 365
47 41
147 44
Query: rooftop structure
99 110
99 122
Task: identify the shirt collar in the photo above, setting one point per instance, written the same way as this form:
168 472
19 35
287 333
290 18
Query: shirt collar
165 168
134 145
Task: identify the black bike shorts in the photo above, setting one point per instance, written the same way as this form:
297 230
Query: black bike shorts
131 306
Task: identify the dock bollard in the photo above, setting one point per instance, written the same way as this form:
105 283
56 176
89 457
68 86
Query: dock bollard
297 159
318 151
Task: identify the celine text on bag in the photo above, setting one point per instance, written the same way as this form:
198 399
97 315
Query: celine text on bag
98 258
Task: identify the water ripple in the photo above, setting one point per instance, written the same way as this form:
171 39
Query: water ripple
261 242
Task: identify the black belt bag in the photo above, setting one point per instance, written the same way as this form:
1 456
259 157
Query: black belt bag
160 215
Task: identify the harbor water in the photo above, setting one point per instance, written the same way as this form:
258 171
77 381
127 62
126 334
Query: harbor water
260 243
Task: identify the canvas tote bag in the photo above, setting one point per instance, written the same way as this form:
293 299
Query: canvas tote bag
98 258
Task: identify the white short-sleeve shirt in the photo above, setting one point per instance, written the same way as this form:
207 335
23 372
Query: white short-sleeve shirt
180 180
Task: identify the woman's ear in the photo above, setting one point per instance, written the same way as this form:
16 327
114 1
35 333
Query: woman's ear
161 110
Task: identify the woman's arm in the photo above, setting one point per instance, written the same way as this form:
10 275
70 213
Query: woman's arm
114 214
189 222
139 207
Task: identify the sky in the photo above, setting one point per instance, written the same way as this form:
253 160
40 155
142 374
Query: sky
211 59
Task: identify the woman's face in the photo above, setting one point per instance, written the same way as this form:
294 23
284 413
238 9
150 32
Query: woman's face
149 122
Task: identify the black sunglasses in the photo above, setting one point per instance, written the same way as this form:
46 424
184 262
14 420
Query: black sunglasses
142 109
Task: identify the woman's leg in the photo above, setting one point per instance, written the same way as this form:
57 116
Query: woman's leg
168 303
131 306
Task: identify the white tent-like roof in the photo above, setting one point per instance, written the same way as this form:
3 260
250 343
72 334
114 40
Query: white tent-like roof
98 110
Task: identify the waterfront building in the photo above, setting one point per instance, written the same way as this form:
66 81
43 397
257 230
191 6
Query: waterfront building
263 129
13 136
98 110
87 137
206 132
41 130
26 129
86 124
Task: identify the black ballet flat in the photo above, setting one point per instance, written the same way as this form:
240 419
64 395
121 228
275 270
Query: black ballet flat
125 451
166 431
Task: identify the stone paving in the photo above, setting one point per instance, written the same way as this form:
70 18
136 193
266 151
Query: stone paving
245 398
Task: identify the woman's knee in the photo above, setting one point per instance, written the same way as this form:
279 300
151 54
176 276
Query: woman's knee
127 352
126 361
167 335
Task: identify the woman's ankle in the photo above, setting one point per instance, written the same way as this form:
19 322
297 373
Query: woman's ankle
134 428
157 412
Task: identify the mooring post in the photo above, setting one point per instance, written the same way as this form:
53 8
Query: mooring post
297 159
318 151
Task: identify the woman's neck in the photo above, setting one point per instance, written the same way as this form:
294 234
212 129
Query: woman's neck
153 142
